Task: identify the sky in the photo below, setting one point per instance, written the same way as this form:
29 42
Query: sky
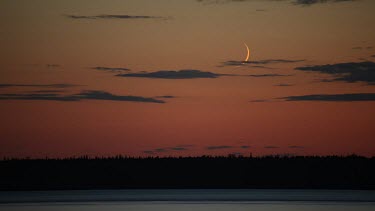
169 78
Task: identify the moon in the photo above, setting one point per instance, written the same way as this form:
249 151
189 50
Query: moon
248 52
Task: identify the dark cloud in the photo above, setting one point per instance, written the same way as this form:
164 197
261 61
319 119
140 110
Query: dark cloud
39 85
268 75
259 62
235 154
283 85
185 145
360 48
178 148
244 147
218 147
311 2
44 96
53 65
333 97
101 95
349 72
106 16
260 66
294 2
258 101
172 74
160 150
85 95
166 96
167 149
48 91
296 147
112 69
271 147
373 55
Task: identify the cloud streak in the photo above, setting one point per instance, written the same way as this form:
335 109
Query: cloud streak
169 149
348 72
296 147
284 85
111 69
218 147
39 85
294 2
333 97
109 16
172 74
85 95
268 75
311 2
260 62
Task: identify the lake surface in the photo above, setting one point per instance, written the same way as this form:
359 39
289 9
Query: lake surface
144 200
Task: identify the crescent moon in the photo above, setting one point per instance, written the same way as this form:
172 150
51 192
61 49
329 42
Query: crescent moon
248 52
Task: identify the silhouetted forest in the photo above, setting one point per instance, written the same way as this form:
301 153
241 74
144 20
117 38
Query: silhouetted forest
312 172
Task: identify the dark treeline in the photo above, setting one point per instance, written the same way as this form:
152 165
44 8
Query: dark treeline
310 172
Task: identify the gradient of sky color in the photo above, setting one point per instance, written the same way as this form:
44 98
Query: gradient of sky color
236 112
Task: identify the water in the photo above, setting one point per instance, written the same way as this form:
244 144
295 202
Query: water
144 200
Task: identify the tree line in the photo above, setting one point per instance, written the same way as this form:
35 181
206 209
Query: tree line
123 172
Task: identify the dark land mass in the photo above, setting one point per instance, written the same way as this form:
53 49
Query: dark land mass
276 172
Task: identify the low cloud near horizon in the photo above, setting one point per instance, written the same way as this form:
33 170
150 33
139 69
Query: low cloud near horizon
268 75
333 97
294 2
111 69
111 16
349 72
174 74
260 62
39 85
84 95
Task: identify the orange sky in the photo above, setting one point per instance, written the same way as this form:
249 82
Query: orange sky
42 45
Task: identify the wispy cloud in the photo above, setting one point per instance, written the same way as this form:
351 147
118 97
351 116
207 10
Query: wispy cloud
150 152
218 147
48 91
39 85
169 149
349 72
109 16
111 69
294 2
173 74
178 148
260 62
166 96
333 97
85 95
271 147
258 101
311 2
268 75
361 48
284 85
53 65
